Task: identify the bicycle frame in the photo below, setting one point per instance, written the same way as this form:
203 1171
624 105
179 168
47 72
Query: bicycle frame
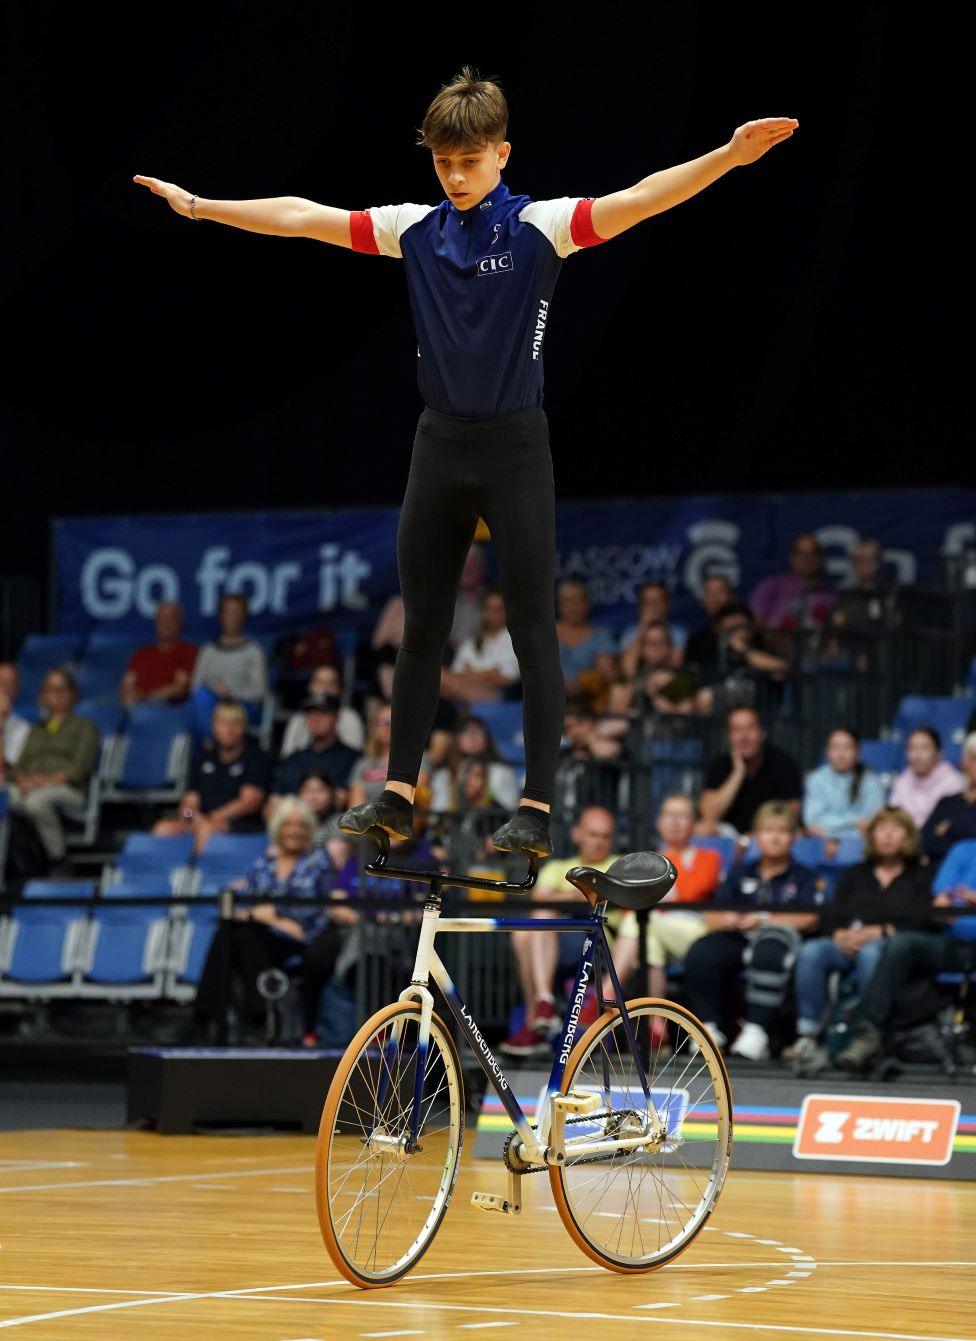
595 953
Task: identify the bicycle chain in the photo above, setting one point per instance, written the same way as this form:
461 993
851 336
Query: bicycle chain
516 1165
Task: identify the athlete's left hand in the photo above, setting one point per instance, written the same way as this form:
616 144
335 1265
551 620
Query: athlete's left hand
753 139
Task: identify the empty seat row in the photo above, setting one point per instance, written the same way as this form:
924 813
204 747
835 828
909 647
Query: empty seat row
102 952
149 865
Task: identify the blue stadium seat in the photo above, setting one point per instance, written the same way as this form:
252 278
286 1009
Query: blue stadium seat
883 756
226 858
724 846
146 855
151 758
807 851
125 954
103 664
948 716
59 889
39 952
107 717
504 721
850 851
190 938
138 886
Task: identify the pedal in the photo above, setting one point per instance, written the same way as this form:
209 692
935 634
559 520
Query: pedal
577 1102
510 1205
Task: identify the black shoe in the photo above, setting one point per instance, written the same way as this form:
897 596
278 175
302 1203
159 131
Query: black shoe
524 833
378 814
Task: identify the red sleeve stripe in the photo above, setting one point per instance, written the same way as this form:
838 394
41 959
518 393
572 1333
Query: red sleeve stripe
361 232
581 225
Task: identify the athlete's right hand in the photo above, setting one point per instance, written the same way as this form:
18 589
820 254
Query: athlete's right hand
177 198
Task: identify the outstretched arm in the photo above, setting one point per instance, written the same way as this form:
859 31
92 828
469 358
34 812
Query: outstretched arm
615 213
278 216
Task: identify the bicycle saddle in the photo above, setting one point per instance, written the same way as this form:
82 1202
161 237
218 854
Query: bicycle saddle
635 882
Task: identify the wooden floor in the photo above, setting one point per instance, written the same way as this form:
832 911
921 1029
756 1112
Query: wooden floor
122 1236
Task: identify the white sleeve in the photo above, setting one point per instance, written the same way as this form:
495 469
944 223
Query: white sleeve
565 222
379 228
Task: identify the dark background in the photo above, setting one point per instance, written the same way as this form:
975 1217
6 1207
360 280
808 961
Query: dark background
787 328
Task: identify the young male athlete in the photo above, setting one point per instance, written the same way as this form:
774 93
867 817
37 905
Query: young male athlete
481 268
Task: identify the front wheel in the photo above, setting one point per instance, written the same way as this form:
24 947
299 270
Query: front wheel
636 1208
382 1181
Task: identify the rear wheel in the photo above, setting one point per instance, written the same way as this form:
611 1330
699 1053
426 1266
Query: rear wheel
635 1209
380 1194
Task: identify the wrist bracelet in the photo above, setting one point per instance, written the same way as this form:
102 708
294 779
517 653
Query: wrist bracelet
193 209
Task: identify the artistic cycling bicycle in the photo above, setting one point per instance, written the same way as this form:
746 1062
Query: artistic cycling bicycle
636 1138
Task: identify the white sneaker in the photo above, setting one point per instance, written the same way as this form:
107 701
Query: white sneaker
752 1042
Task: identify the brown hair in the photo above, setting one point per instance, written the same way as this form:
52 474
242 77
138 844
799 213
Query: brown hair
913 843
469 112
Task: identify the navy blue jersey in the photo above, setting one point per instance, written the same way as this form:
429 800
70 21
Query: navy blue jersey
480 283
797 884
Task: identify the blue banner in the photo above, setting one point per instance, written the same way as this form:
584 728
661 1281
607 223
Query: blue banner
338 568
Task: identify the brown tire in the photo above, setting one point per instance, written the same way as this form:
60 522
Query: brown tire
342 1110
601 1029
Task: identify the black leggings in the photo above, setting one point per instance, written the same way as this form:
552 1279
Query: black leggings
497 467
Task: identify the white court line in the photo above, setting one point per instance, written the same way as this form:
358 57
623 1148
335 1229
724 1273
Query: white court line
593 1316
151 1179
91 1289
97 1308
380 1334
266 1294
476 1326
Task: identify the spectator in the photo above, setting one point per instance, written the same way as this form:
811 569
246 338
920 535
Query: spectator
653 607
752 772
538 954
232 667
888 889
14 729
701 648
368 775
928 777
841 795
763 940
325 749
914 951
485 665
744 664
161 671
588 737
349 727
472 740
655 685
318 791
228 783
262 936
580 642
954 817
671 935
865 603
471 590
56 762
799 599
378 660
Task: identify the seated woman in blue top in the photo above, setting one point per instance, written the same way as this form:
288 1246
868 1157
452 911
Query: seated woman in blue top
762 939
581 644
841 795
262 935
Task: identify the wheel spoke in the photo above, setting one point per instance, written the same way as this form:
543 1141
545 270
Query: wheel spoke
602 1198
384 1199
